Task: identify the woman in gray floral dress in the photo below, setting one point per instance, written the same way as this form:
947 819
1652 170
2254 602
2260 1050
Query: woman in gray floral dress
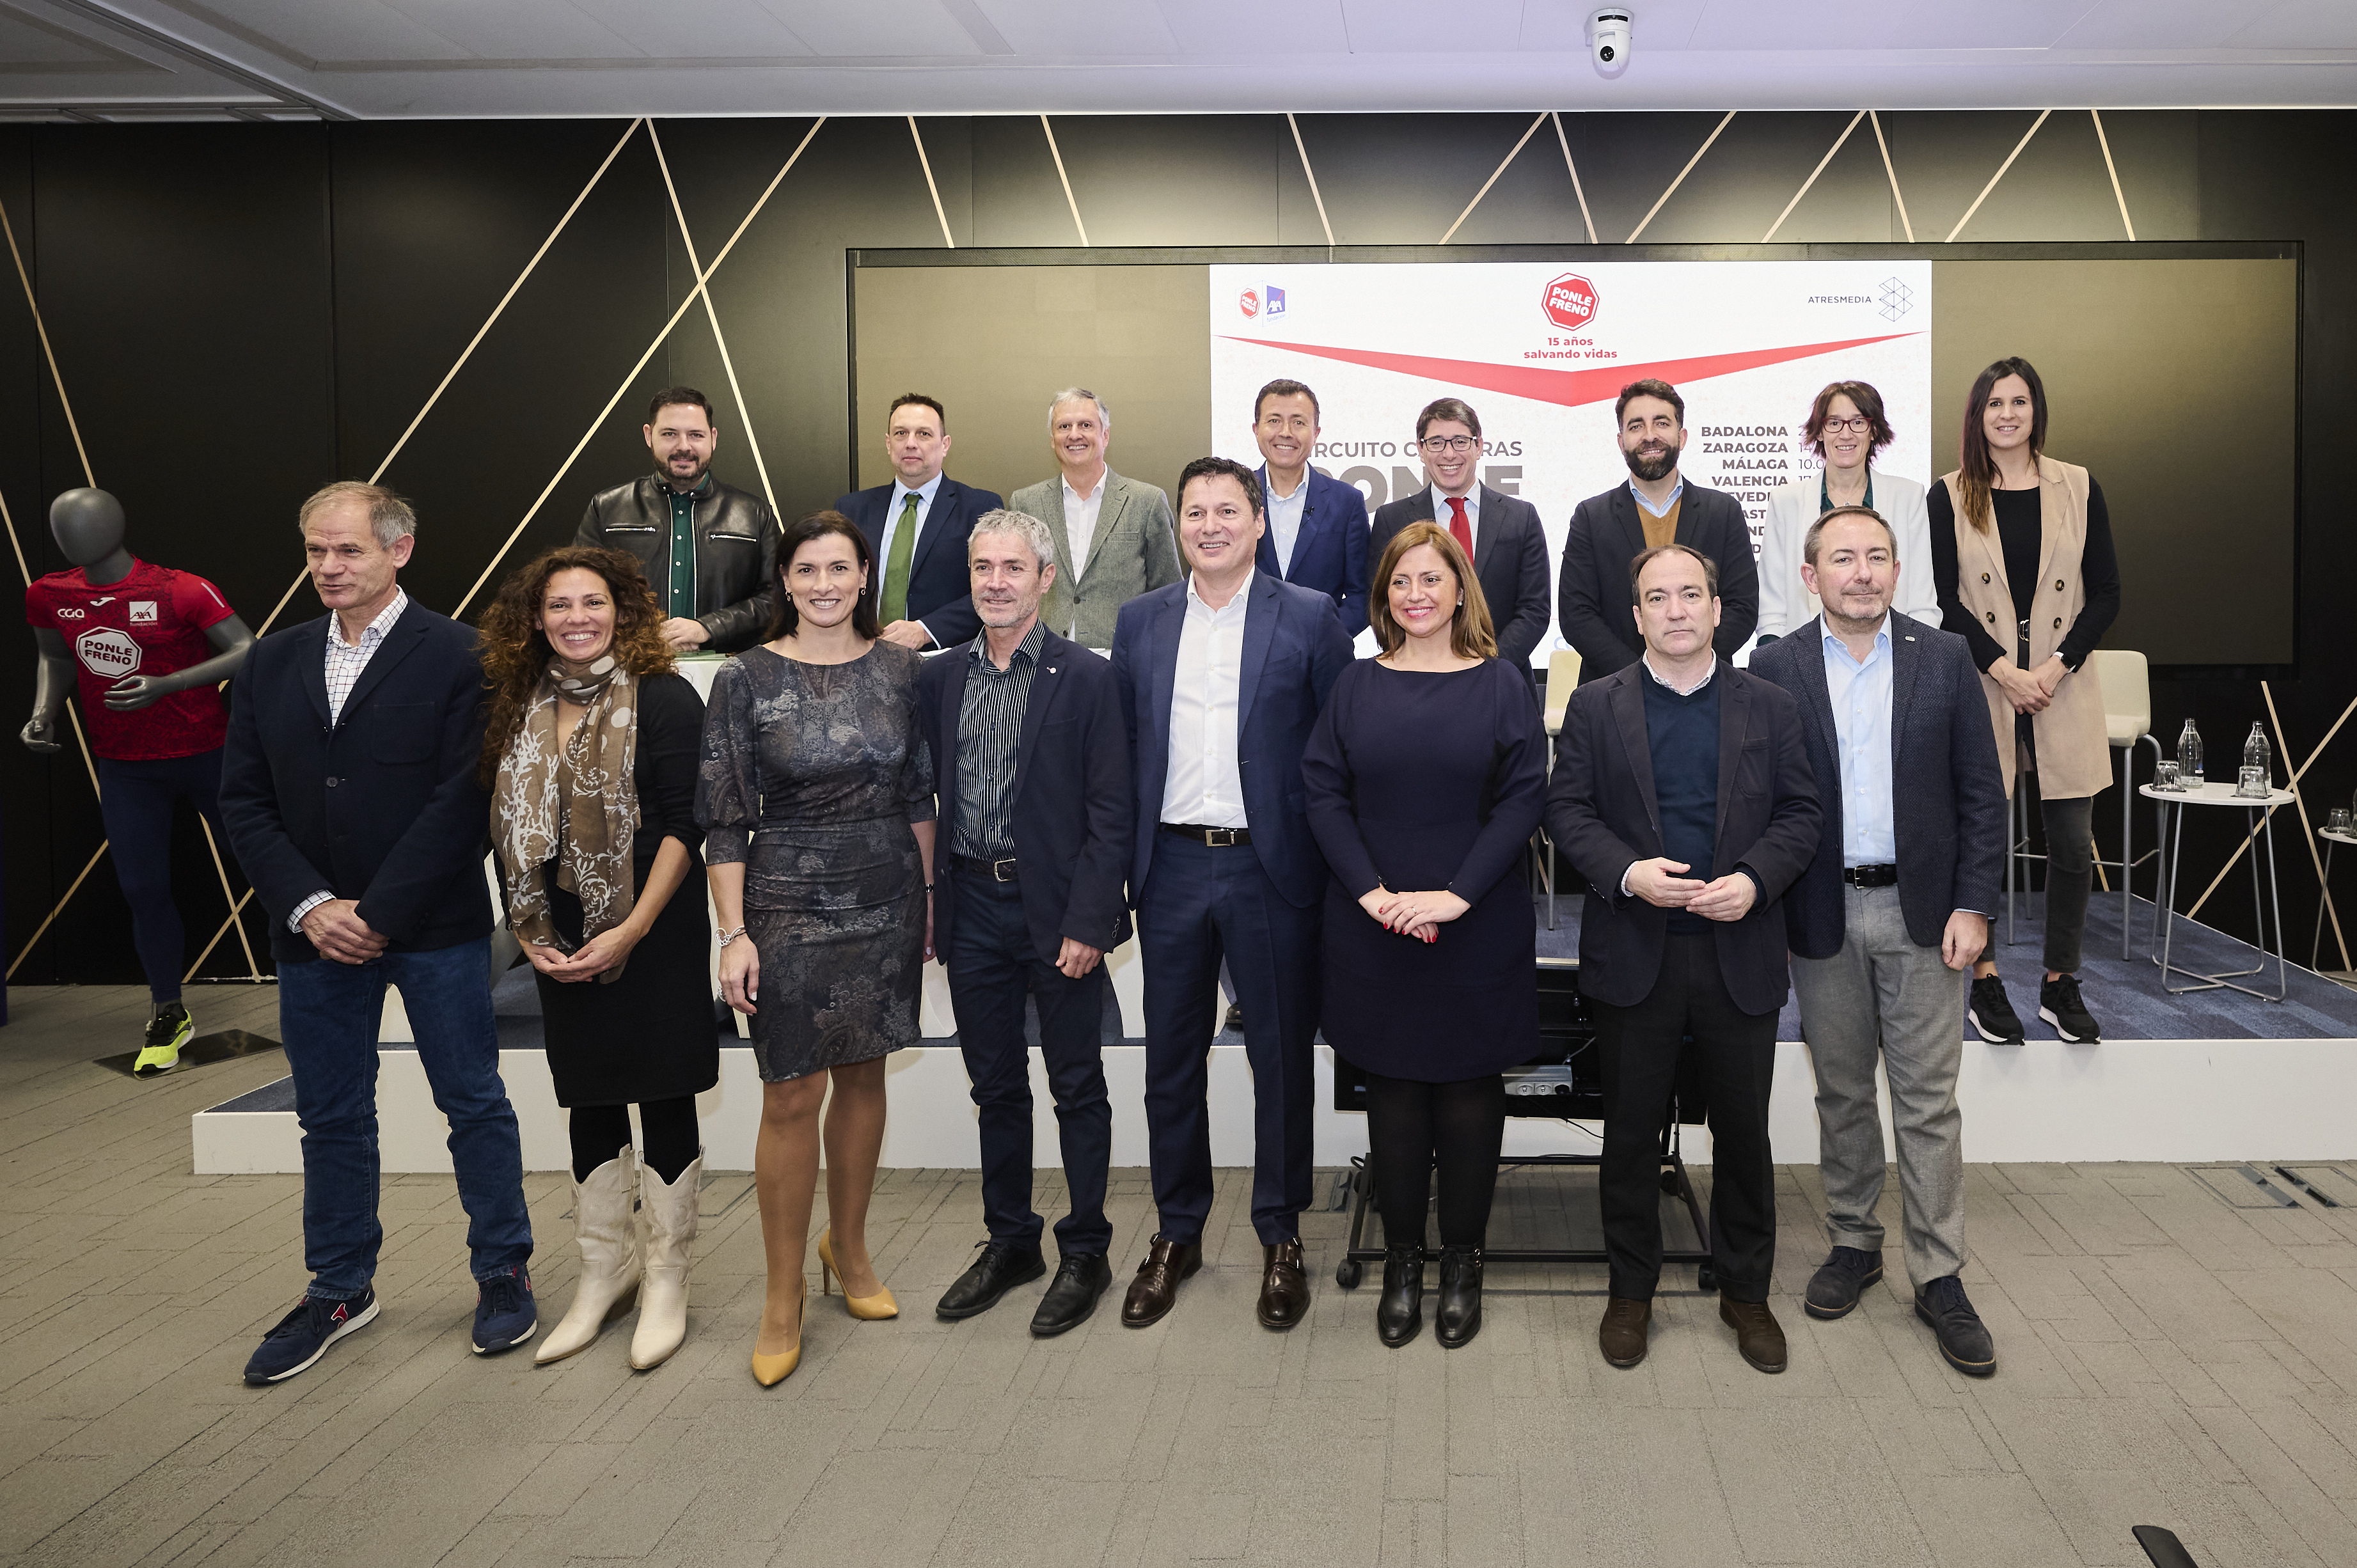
816 796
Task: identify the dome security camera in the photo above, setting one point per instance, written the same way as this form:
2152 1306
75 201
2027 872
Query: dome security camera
1608 35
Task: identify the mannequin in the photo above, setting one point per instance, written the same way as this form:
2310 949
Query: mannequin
133 636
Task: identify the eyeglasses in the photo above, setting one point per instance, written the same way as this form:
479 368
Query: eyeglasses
1861 425
1451 443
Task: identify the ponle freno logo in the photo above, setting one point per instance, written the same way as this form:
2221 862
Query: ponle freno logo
1569 302
1249 302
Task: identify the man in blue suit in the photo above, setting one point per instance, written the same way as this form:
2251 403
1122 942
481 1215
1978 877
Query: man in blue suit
1222 677
349 791
917 528
1317 533
1890 914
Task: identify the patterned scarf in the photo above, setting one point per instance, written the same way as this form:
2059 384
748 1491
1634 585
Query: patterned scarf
577 804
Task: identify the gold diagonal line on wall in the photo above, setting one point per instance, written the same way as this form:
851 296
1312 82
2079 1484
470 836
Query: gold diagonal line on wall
1984 196
927 164
1535 123
42 327
1813 177
1312 174
713 316
1905 222
468 351
1057 152
2129 224
582 445
1665 196
1565 142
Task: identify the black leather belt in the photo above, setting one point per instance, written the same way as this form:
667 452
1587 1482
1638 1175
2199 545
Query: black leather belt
991 870
1871 875
1217 838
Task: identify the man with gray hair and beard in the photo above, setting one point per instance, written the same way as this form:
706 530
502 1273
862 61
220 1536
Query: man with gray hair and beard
1032 760
1114 538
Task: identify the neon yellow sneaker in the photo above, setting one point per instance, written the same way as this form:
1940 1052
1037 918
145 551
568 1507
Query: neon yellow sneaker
167 1031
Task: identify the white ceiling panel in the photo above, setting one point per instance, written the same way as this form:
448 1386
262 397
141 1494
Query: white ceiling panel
2301 25
308 31
1783 26
1232 28
2162 24
879 29
1054 29
696 29
519 29
33 45
1989 25
1562 26
1409 26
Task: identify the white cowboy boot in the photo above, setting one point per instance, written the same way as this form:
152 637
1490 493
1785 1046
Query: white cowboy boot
609 1257
668 1212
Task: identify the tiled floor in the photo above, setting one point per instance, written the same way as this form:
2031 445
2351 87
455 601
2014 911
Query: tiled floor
2167 1358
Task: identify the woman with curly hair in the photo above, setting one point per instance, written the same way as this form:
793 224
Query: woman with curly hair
591 756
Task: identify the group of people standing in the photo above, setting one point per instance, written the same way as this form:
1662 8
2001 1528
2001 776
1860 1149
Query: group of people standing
1142 719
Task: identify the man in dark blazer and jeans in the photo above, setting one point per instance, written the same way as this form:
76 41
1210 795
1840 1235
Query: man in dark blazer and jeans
1682 795
1657 506
1032 761
349 792
1890 913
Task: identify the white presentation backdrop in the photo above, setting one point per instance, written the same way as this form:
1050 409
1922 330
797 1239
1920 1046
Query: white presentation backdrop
1541 349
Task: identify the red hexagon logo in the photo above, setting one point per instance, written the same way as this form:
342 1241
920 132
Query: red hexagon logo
1249 302
1570 302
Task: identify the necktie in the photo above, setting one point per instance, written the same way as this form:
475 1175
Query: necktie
895 570
1460 525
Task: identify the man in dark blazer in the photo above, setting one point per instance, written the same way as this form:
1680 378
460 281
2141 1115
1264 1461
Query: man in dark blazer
1222 674
1317 534
350 794
1031 760
1657 506
1681 794
1890 914
917 528
709 549
1500 532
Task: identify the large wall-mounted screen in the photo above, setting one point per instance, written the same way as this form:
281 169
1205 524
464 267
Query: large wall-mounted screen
2172 375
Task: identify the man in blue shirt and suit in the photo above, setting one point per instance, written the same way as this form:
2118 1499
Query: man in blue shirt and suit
1890 914
349 790
917 528
1317 534
1222 677
1682 795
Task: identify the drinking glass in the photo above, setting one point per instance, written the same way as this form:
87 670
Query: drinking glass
2337 821
2164 775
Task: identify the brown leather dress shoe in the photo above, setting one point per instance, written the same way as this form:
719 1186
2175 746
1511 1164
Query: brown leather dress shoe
1156 1289
1756 1333
1284 1285
1621 1335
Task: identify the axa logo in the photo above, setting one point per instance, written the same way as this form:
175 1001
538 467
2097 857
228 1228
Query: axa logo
1268 300
1569 302
143 612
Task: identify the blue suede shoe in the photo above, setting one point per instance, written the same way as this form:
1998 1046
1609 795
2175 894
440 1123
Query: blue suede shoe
302 1335
1834 1288
505 1315
1964 1339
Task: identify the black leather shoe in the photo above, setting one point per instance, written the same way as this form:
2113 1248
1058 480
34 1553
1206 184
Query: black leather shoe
1155 1289
1002 1266
1964 1338
1284 1285
1458 1316
1072 1294
1834 1289
1399 1311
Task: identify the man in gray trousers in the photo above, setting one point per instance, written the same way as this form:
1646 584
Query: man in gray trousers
1890 914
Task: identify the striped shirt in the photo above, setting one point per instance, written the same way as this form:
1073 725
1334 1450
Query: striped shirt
990 728
346 663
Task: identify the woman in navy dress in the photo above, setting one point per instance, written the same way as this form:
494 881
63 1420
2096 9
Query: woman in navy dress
1425 779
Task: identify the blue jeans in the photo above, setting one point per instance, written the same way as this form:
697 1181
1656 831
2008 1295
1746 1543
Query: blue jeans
329 1012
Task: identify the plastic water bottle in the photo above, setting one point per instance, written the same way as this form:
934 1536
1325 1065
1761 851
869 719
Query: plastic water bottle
2189 757
2255 779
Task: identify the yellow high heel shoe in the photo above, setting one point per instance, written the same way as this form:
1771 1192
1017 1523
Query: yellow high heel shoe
869 1308
770 1371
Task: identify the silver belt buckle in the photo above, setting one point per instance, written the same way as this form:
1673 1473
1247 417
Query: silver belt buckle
1219 837
1003 870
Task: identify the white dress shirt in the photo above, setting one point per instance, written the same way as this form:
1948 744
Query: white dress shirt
345 663
1284 521
1204 787
1472 500
1081 520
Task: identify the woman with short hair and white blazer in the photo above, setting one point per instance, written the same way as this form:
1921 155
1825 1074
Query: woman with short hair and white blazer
1846 428
2022 548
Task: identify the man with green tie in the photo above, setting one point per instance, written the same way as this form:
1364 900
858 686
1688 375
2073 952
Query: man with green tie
917 526
709 550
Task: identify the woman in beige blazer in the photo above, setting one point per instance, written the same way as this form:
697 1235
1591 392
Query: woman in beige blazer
2021 547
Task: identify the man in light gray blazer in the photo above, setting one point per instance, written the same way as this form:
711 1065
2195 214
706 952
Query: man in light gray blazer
1114 537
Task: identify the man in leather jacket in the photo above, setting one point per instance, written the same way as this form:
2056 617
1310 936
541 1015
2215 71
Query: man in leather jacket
709 550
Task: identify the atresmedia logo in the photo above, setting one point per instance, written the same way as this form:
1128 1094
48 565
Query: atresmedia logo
1569 302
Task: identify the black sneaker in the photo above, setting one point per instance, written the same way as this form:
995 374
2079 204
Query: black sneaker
1834 1289
167 1031
2059 1004
504 1313
302 1335
1990 1015
1964 1339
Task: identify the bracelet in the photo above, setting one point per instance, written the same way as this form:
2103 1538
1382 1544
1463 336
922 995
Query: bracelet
729 936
